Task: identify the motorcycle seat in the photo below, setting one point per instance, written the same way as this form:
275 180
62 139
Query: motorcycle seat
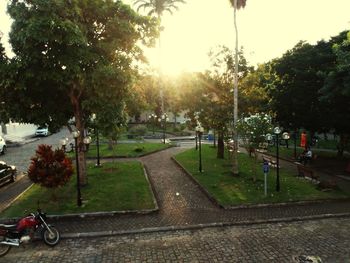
8 227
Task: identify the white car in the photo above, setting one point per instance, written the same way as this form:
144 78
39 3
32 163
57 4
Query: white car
2 145
42 131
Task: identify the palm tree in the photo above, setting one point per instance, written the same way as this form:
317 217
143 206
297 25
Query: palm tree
236 4
158 7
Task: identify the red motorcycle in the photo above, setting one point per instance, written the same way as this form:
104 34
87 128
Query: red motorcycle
25 230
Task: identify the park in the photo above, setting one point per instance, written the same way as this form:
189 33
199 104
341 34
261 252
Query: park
144 151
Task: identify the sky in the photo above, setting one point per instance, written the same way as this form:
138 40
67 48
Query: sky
267 29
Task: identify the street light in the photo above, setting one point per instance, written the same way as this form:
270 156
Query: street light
86 141
163 120
295 134
277 132
196 117
98 164
153 119
286 137
199 131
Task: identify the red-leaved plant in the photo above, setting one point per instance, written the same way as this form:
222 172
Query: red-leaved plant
50 168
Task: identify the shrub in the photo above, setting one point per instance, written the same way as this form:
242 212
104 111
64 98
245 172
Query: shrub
50 168
139 149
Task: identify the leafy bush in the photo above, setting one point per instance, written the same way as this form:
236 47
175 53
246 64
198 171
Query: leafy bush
50 168
139 149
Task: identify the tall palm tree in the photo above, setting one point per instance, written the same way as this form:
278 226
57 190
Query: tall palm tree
236 4
158 7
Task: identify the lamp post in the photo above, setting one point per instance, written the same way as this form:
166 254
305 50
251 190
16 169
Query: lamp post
199 131
152 119
295 134
86 141
196 117
163 121
63 143
286 137
98 164
277 132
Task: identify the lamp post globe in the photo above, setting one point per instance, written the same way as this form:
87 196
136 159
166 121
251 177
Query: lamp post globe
286 137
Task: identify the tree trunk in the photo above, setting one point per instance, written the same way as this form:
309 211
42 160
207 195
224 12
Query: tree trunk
214 134
235 170
111 144
344 139
80 126
3 128
221 146
255 165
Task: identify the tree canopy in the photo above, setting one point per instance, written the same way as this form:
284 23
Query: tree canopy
73 58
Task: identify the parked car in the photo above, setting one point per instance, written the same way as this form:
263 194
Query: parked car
8 173
2 145
42 131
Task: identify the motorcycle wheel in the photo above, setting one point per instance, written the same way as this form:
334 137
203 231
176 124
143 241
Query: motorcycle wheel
51 238
4 249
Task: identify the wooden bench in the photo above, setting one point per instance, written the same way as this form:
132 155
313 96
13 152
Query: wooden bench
306 172
270 160
262 147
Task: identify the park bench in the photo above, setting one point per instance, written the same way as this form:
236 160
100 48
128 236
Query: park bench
270 160
262 147
307 172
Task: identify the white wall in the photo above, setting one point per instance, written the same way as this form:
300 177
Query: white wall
20 129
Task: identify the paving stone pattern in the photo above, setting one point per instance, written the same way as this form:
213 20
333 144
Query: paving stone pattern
328 239
190 206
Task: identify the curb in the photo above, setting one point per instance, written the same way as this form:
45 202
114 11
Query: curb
151 187
18 144
202 226
15 199
93 214
205 191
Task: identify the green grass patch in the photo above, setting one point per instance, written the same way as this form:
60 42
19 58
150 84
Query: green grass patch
127 149
113 187
124 149
229 190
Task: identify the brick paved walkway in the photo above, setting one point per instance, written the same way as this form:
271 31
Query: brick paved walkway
190 206
280 242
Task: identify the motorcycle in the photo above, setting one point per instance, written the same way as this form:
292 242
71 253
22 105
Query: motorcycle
25 230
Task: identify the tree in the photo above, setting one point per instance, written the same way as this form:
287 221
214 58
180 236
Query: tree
336 93
252 93
50 169
158 7
218 90
3 69
213 93
73 58
252 130
236 4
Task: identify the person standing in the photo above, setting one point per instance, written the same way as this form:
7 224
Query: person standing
303 139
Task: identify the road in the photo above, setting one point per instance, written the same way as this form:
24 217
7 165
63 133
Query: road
328 239
20 157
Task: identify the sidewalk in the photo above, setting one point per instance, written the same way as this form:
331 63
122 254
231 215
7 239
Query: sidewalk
182 205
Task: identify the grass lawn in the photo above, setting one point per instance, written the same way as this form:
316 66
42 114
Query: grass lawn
113 187
229 190
125 149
